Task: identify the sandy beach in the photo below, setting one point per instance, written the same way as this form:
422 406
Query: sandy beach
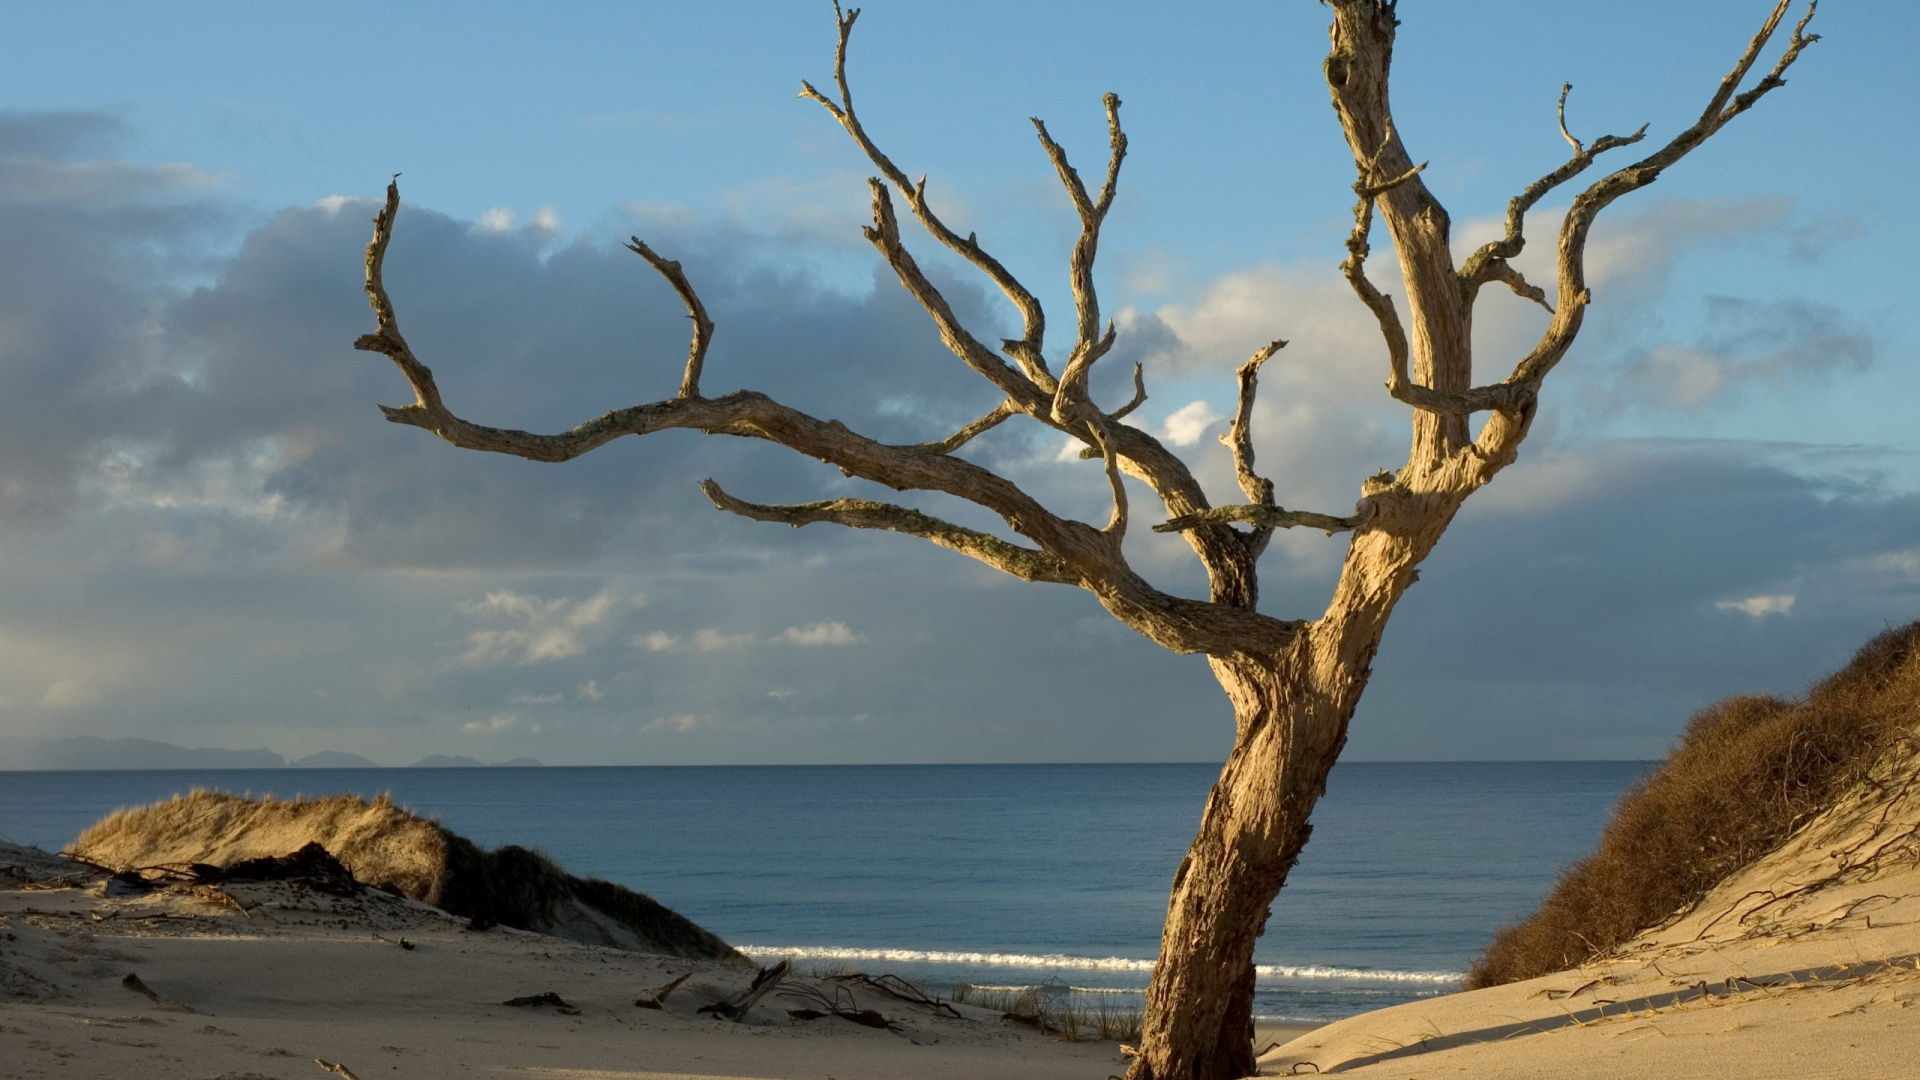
303 975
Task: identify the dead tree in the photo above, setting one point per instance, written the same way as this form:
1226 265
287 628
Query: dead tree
1293 683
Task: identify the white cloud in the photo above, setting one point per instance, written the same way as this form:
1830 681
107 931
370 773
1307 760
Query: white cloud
781 695
656 641
589 691
708 639
678 724
1189 422
1759 606
820 633
550 630
497 219
493 725
536 699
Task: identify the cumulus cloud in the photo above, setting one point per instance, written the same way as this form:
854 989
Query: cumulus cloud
547 630
1186 424
819 633
1759 606
1746 342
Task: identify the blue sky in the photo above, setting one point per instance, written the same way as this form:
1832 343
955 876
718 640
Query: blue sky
210 537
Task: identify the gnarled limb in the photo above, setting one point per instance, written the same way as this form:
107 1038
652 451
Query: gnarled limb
1025 350
702 326
1090 345
1273 517
1024 563
1091 556
999 415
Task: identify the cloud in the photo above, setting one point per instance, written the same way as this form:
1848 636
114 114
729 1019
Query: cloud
1186 424
656 641
494 725
1759 606
708 639
1746 342
589 691
549 630
677 724
819 633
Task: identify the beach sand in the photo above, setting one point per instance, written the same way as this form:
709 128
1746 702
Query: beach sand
302 975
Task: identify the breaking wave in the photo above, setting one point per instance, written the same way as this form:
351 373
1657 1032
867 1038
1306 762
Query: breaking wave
1061 961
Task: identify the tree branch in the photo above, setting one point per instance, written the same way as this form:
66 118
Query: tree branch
1091 557
884 234
1026 350
1720 110
1070 398
1239 434
1139 395
1272 517
965 435
702 326
1024 563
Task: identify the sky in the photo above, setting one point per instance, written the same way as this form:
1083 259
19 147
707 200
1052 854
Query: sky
209 535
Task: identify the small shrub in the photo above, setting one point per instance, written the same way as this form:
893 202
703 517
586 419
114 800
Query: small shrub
1747 773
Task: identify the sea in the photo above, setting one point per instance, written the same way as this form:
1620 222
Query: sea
1000 877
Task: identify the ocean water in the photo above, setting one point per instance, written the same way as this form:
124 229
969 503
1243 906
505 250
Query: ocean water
1000 876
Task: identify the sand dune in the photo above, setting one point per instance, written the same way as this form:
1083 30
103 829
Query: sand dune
1804 964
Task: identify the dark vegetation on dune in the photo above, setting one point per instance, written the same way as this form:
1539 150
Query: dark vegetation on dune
383 845
1748 772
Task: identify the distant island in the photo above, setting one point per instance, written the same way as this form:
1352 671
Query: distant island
90 752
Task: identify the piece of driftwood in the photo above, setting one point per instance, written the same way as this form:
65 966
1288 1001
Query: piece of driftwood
549 998
658 999
763 984
840 1003
133 983
338 1070
900 990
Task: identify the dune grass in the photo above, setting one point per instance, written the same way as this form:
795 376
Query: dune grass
1057 1013
1747 773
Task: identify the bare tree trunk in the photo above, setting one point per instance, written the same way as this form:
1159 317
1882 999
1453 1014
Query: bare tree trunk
1291 715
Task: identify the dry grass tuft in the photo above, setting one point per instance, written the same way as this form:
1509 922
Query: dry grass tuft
386 846
1748 772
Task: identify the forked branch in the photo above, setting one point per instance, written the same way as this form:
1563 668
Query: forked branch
1272 517
1025 350
1024 563
1065 551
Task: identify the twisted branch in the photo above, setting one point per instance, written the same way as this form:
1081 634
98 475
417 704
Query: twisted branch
965 435
1027 349
702 326
1068 551
1023 563
1273 517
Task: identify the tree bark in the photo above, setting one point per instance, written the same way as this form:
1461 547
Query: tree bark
1291 713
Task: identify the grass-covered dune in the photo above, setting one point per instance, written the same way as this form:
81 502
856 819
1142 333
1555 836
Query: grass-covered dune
386 846
1747 773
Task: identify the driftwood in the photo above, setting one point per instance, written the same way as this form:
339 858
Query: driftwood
133 983
900 990
763 984
658 999
840 1003
338 1070
549 998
